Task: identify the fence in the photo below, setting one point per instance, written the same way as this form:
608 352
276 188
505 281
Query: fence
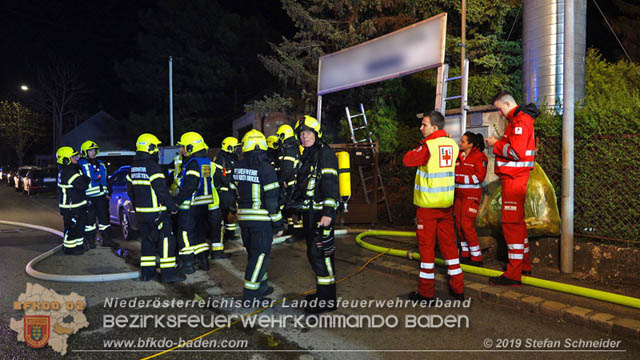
607 185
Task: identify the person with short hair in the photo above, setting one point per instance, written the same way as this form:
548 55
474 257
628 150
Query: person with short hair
433 195
515 158
471 169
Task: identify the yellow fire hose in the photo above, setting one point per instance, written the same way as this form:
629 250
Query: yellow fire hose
527 280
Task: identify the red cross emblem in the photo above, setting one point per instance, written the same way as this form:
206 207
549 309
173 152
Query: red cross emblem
446 156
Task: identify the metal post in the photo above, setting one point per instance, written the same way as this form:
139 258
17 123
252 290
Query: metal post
463 35
568 102
463 101
319 111
171 100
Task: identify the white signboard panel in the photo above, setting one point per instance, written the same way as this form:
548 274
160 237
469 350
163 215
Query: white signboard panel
411 49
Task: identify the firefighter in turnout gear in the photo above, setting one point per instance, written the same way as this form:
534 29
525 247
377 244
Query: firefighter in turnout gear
72 201
433 196
272 151
258 212
223 180
147 189
97 193
289 162
317 191
194 197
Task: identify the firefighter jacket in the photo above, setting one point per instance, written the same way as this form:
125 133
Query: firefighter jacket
196 182
177 170
97 172
317 180
515 151
258 190
435 178
147 187
223 179
72 185
289 160
470 173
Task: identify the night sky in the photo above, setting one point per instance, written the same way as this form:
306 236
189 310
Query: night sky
97 34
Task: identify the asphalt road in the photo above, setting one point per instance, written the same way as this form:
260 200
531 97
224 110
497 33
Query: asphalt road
521 334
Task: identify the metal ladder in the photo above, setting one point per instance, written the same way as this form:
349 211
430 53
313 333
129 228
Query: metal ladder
365 137
441 92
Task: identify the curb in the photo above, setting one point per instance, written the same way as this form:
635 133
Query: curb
509 296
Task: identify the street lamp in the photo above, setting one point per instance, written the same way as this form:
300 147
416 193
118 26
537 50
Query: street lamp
24 87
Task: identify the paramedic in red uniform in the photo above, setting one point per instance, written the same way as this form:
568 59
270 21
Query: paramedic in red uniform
471 168
433 195
515 156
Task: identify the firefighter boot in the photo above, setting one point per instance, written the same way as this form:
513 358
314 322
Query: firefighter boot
186 265
326 295
202 261
219 254
107 240
172 275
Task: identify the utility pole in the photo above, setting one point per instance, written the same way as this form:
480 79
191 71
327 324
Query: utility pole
171 100
568 102
463 36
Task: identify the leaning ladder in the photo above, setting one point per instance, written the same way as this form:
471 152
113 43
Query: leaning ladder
441 92
365 137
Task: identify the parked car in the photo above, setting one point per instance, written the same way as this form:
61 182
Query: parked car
40 180
18 178
114 160
121 211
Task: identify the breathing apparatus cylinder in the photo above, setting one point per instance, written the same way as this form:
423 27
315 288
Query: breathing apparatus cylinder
344 177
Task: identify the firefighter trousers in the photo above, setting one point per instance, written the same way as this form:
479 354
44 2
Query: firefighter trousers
257 237
466 210
437 224
514 192
98 208
320 253
189 242
215 229
156 237
74 220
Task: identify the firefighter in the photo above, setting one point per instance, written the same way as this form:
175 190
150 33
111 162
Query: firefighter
471 169
216 226
289 162
433 194
72 201
177 169
223 180
194 197
97 195
258 212
515 157
272 151
317 191
147 189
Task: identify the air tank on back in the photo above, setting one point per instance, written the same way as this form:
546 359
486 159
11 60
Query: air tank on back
543 52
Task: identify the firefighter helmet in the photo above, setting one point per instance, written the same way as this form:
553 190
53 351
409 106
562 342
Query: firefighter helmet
192 142
308 123
64 155
254 140
148 143
272 142
284 132
229 144
88 145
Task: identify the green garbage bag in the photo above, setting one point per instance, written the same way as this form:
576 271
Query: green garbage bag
541 207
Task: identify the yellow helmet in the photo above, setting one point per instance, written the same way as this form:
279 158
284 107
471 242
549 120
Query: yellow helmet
192 142
308 123
148 143
64 155
88 145
272 142
229 144
254 140
284 132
